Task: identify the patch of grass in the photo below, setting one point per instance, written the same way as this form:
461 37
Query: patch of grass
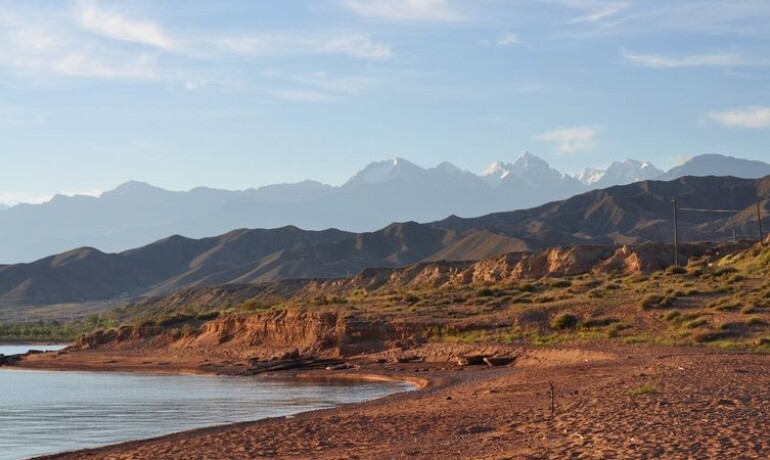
594 323
748 309
753 321
560 284
711 336
654 301
646 389
696 323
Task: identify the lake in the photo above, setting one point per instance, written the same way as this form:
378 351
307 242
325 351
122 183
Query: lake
45 412
17 349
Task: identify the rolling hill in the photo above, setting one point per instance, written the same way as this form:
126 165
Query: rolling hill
630 214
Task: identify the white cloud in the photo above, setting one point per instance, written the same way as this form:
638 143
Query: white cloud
658 61
754 117
508 39
592 11
84 65
301 96
405 10
600 11
352 84
113 25
355 46
571 139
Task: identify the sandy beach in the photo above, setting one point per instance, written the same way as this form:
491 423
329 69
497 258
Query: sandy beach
607 403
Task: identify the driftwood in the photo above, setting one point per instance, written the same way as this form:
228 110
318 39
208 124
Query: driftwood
408 359
474 360
499 361
290 364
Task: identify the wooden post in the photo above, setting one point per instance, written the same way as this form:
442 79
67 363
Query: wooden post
759 222
676 234
552 397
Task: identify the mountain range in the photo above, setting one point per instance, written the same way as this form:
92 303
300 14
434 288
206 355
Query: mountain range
137 213
629 214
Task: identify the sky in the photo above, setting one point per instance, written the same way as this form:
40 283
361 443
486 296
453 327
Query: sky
239 94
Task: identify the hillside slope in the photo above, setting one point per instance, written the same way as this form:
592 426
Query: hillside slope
631 214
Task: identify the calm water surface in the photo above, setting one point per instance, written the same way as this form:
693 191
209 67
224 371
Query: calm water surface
19 349
45 411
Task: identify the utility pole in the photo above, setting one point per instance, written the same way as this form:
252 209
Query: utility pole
759 222
676 234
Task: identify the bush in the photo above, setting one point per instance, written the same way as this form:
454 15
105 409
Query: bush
597 323
173 319
676 271
749 309
653 301
646 389
560 283
209 315
485 292
565 321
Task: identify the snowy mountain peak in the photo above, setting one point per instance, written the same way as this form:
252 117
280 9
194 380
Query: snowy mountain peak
495 173
384 171
589 176
528 160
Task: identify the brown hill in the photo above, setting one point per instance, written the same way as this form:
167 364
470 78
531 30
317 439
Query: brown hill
624 215
396 283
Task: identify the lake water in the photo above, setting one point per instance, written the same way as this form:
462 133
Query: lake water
51 411
19 349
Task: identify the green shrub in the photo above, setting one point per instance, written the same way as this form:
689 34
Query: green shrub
646 389
560 283
653 301
208 315
565 321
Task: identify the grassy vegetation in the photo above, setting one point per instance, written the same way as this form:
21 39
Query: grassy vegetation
726 306
44 332
645 389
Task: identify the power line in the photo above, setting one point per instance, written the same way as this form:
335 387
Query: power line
712 210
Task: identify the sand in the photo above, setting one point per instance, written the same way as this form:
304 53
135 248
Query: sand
645 403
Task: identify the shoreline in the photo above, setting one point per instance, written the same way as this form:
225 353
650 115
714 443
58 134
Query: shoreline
624 402
418 384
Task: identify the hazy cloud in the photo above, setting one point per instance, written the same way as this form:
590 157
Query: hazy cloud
405 10
754 117
508 39
294 95
116 26
591 11
355 46
571 139
658 61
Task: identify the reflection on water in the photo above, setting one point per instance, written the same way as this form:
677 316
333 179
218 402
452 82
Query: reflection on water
19 349
45 412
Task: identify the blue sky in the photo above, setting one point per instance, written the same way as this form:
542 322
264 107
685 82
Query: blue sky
238 94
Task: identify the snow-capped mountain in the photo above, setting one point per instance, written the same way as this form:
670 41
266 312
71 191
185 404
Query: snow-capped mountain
495 173
397 190
384 171
589 175
528 169
618 173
